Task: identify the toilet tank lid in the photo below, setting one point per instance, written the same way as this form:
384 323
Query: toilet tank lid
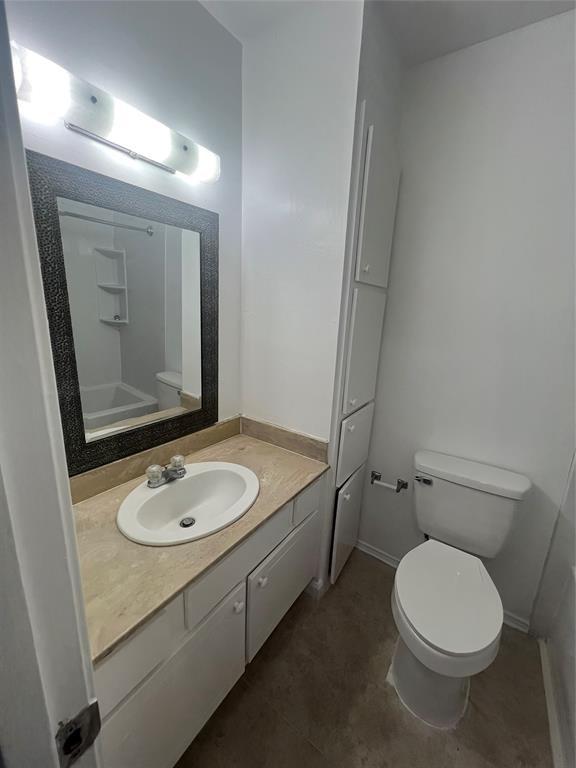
472 474
172 378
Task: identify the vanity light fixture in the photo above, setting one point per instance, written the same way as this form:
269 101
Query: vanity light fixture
49 94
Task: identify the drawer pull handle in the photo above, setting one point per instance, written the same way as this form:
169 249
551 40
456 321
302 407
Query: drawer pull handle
239 606
262 581
347 497
351 427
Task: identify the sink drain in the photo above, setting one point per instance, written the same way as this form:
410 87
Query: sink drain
186 522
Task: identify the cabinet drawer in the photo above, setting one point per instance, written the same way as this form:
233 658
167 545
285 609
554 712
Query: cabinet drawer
354 442
119 673
204 593
277 582
308 501
154 726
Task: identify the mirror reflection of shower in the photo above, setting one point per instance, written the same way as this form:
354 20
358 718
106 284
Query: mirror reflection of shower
134 293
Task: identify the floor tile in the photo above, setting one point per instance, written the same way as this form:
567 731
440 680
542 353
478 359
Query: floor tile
316 695
247 732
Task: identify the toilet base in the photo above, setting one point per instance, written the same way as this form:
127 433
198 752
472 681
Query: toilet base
437 700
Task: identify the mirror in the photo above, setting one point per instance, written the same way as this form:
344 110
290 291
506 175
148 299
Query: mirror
131 281
134 295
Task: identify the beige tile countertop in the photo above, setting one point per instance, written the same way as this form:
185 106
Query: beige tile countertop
125 583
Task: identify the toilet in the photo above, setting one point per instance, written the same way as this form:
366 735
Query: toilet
168 389
447 610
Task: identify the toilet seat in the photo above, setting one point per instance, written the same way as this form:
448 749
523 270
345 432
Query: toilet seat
447 609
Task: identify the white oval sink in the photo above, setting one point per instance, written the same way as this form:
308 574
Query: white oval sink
211 496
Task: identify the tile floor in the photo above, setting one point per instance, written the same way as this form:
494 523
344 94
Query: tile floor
316 696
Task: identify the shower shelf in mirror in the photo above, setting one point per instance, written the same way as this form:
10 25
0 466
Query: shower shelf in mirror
111 281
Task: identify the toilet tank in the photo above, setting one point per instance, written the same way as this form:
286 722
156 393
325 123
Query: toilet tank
466 504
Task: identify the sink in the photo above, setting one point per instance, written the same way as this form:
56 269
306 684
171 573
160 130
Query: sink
211 496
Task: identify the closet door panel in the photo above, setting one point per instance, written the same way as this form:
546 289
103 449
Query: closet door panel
377 208
354 442
366 324
348 506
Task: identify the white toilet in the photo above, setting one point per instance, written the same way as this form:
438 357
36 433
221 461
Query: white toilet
445 605
168 388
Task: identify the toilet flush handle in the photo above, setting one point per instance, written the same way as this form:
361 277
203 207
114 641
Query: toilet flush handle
423 480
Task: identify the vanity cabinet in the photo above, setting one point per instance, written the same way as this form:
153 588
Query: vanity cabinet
158 689
276 583
155 725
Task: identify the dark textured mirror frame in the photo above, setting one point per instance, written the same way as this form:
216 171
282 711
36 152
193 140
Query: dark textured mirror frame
50 179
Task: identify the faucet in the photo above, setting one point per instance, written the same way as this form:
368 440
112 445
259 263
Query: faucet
158 475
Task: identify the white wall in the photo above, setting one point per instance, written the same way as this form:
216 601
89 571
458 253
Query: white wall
97 346
477 353
143 339
300 79
554 620
175 62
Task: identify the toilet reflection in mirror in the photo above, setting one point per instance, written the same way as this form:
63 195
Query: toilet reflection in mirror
134 294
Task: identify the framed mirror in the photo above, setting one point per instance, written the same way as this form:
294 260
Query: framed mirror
131 288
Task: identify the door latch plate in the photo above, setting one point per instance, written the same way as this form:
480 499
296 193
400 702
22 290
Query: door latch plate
76 735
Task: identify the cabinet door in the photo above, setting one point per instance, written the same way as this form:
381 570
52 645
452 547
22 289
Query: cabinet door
363 347
377 208
348 506
354 442
154 726
277 582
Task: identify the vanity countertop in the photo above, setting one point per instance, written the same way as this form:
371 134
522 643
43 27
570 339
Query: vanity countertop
125 583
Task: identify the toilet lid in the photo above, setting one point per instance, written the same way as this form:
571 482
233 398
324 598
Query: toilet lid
449 598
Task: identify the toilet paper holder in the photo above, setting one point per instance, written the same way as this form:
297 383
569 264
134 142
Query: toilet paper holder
376 479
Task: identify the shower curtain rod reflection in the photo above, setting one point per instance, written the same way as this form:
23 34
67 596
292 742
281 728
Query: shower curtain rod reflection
149 230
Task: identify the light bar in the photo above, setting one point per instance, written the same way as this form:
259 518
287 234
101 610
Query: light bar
49 94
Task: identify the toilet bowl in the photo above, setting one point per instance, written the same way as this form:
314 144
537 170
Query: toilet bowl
447 610
449 617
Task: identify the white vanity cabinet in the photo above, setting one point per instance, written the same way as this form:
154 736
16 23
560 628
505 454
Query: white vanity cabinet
276 583
158 689
153 727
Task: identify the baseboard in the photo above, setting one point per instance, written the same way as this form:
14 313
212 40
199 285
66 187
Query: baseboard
378 554
511 619
558 755
516 622
317 588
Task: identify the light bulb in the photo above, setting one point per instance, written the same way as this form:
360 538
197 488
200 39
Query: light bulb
16 68
49 98
207 169
142 134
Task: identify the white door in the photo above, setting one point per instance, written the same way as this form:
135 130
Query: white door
377 207
354 442
366 325
348 506
45 672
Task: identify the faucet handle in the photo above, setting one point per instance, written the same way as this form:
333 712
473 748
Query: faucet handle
154 474
177 462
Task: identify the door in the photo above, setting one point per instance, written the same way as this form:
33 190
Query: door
348 506
354 442
377 208
276 583
366 325
155 725
46 672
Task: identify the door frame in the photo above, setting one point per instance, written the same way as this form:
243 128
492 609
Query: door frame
45 662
